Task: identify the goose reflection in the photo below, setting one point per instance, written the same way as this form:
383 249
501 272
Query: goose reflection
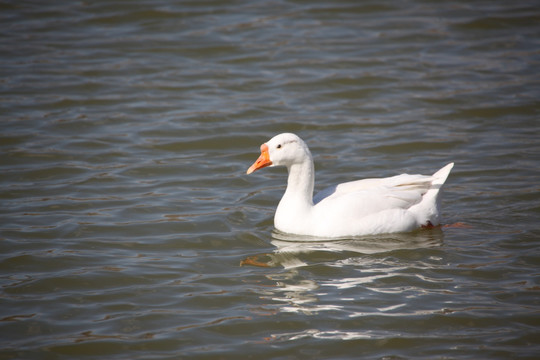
296 292
294 250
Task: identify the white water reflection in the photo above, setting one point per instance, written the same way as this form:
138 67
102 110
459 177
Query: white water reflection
308 295
293 251
318 334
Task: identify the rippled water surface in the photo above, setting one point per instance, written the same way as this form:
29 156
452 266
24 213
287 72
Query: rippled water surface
129 229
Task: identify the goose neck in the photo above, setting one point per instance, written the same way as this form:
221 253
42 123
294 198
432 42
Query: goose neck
301 182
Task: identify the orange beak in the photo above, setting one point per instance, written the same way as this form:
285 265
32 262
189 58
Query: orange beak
262 161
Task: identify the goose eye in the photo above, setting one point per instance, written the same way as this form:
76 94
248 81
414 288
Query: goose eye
279 146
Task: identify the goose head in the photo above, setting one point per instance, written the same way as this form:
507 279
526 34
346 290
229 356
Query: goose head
282 150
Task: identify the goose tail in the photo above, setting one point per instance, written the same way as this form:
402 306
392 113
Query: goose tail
427 211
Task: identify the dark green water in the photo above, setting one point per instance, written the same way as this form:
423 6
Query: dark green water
125 211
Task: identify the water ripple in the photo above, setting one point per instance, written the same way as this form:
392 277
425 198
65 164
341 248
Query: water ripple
126 130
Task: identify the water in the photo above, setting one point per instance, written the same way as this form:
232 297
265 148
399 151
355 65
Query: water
126 130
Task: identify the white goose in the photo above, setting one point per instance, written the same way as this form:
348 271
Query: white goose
371 206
